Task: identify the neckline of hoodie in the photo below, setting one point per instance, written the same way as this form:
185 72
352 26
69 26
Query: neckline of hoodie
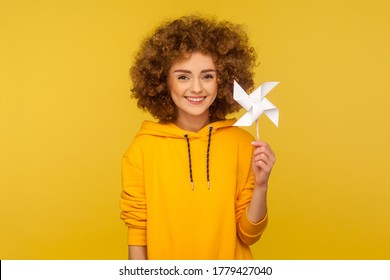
172 130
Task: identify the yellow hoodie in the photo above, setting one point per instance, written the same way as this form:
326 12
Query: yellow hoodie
185 194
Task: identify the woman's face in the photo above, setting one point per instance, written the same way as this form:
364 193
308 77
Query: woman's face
193 86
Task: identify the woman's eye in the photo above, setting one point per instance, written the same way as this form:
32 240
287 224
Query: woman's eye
208 77
182 77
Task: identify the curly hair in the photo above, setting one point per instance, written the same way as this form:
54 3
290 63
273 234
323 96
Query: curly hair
225 42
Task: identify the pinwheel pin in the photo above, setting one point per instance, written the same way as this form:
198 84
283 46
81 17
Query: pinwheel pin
256 104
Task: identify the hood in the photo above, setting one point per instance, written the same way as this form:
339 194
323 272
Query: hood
173 131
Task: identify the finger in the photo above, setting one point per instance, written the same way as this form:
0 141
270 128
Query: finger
263 166
264 150
268 160
267 166
262 156
259 143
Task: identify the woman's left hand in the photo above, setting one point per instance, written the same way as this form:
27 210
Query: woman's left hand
262 162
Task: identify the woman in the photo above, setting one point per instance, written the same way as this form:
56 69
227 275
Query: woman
194 186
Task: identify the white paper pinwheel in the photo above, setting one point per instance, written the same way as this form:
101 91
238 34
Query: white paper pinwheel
256 104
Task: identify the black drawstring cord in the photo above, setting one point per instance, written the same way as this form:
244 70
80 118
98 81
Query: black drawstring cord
208 157
189 159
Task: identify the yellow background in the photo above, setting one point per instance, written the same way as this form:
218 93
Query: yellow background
66 118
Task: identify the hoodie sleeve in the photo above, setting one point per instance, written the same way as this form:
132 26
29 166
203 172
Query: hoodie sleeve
247 231
133 201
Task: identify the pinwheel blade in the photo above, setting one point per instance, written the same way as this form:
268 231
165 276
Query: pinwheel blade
267 87
245 120
241 97
273 115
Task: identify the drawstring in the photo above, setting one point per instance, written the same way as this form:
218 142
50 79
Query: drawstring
207 158
189 159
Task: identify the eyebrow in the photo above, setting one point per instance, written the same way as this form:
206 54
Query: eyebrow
189 72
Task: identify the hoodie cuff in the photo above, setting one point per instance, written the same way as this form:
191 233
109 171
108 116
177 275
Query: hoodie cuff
136 237
253 229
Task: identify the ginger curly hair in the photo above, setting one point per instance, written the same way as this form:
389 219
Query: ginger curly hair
225 42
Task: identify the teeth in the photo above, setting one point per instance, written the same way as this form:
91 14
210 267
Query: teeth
195 99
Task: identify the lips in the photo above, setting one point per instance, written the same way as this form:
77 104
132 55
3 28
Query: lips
195 100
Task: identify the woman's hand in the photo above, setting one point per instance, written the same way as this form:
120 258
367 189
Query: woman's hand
262 162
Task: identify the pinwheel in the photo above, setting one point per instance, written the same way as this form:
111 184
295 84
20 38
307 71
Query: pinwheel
255 104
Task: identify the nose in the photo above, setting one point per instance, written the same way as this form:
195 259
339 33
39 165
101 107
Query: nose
196 86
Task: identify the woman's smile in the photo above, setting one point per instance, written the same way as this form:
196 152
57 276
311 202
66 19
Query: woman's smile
195 100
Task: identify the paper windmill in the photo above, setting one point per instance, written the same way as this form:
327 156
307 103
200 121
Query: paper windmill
256 104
